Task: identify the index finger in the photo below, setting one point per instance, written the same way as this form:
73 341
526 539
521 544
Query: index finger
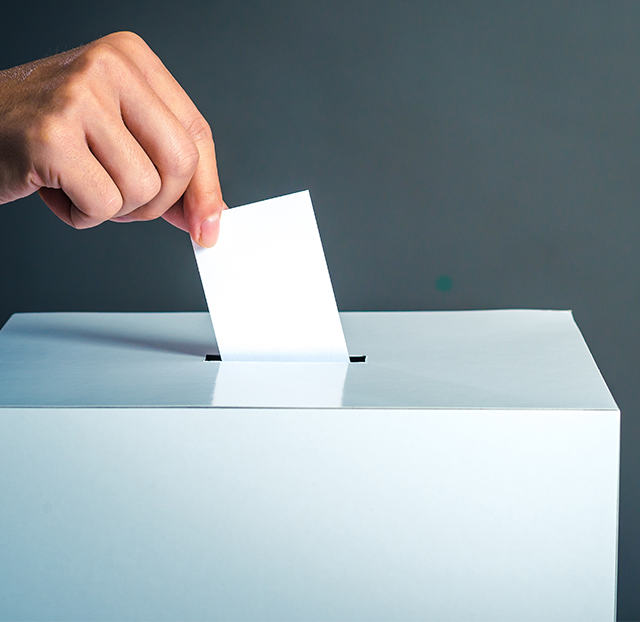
198 211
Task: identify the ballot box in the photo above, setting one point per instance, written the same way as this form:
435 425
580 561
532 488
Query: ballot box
463 466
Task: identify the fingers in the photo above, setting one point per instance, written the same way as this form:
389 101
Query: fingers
82 194
126 162
199 209
202 202
166 143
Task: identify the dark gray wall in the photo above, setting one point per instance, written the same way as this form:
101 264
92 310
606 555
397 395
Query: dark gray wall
491 147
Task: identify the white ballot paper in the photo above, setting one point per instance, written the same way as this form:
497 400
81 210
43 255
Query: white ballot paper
268 287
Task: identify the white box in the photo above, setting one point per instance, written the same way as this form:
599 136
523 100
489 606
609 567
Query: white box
467 471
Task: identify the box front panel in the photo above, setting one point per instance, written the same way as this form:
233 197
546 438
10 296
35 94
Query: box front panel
236 514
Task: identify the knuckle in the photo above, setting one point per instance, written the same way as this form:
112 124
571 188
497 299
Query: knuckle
107 206
101 200
150 186
185 160
101 58
49 133
146 187
199 129
100 64
126 38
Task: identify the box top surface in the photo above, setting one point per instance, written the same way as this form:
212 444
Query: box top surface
515 359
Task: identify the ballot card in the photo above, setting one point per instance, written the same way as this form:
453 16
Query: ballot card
267 285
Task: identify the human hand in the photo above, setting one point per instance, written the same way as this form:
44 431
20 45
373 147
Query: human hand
104 132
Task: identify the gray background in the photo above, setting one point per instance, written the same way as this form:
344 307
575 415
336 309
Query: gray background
460 155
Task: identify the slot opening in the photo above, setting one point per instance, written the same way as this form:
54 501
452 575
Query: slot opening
353 358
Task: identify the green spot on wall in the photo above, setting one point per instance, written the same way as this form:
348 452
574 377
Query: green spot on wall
444 283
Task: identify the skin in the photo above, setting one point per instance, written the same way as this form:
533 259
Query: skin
104 132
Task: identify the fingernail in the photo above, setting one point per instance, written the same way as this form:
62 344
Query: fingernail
209 230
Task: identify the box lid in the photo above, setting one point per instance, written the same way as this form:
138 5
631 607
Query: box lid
513 359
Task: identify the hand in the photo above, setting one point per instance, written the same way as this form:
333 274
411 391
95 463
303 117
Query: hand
104 132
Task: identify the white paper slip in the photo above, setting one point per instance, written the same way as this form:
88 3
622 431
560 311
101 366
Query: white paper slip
268 287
